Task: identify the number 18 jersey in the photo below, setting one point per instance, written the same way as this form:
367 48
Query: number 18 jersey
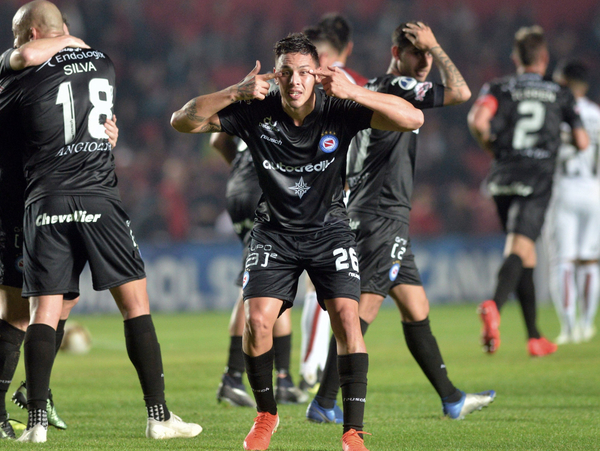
62 106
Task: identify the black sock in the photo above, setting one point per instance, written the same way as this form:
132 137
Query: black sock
526 296
260 376
508 278
235 362
144 352
60 333
424 348
10 345
353 370
330 379
282 348
39 357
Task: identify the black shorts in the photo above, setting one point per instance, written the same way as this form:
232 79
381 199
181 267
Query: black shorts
62 233
241 209
384 254
523 215
276 261
11 246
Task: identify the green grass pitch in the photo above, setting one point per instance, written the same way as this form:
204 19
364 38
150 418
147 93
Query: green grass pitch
550 403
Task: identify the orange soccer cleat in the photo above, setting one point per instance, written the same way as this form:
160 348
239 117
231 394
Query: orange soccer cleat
259 437
352 441
490 333
539 347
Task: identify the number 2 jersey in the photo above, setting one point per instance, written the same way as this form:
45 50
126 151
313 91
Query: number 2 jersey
62 106
301 169
525 131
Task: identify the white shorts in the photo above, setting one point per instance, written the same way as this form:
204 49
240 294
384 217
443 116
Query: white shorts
574 220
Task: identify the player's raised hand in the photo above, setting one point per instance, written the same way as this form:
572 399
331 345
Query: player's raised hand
255 85
420 35
335 82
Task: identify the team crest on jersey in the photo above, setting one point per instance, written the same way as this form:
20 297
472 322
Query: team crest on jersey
245 279
394 270
19 264
329 143
406 83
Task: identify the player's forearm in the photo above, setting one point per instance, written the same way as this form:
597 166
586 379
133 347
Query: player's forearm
36 52
456 90
390 112
580 138
481 132
199 114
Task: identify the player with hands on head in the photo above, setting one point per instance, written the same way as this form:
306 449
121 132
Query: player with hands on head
517 119
380 171
299 137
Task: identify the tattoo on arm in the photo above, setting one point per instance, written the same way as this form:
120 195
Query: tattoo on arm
191 113
245 89
210 128
452 78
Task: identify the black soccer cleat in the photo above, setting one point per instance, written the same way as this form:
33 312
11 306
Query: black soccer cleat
19 397
234 393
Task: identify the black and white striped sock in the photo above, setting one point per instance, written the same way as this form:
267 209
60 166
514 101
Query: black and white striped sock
37 416
158 412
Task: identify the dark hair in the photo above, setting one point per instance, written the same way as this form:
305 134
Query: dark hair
574 71
336 29
296 43
399 38
314 33
529 43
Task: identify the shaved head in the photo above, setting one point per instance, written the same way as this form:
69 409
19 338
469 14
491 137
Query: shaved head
41 15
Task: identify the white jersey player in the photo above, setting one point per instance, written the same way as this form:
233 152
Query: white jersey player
574 220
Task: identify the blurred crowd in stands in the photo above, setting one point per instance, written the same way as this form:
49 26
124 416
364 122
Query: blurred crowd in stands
168 51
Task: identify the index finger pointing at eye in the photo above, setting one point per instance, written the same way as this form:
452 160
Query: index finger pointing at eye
319 72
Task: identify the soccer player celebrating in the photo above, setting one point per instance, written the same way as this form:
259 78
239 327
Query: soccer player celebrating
14 311
574 218
517 119
243 194
299 138
73 215
381 167
332 37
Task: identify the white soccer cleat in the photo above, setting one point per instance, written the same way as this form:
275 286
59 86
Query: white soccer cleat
36 434
174 427
563 339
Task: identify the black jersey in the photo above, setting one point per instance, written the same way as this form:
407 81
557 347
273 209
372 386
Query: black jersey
242 177
12 181
62 105
526 130
301 170
381 164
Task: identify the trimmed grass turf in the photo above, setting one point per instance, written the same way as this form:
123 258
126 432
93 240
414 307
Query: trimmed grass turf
550 403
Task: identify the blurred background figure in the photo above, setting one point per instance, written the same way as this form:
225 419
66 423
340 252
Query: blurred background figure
574 217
